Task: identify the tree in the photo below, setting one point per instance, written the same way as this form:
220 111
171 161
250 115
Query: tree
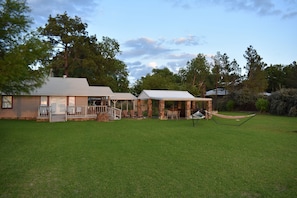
255 82
275 77
106 69
81 55
290 75
226 73
63 32
217 70
23 54
196 75
158 79
231 73
217 76
14 22
235 76
256 78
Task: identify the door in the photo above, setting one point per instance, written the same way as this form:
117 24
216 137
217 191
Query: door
58 104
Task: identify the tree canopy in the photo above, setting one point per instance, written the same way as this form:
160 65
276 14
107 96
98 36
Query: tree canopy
224 73
256 81
81 55
159 79
23 54
195 75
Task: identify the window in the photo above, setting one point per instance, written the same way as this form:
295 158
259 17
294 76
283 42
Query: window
71 101
71 105
43 101
6 102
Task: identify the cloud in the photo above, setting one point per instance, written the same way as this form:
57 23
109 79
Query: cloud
182 56
283 8
41 9
137 70
190 40
144 47
185 4
290 15
149 48
158 52
175 66
153 64
174 62
261 7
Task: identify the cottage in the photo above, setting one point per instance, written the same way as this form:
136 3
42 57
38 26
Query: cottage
59 99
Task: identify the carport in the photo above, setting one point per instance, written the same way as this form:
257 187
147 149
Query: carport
170 95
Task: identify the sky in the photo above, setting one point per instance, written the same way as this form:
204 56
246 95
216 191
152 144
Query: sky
169 33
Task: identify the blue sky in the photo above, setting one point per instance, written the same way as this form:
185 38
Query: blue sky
168 33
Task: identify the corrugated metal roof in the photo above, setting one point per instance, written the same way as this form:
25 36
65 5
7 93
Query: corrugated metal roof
218 91
123 96
169 95
165 95
55 86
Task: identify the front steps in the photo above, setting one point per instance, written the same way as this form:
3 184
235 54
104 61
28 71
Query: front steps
58 118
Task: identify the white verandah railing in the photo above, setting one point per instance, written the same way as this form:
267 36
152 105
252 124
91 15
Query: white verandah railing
45 112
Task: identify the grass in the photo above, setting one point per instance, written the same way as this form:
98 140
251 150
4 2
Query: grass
149 158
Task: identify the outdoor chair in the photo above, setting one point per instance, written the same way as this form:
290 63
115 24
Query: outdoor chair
78 110
43 110
71 110
173 114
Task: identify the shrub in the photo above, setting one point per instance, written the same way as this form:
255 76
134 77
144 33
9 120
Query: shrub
283 102
230 105
244 100
262 105
293 111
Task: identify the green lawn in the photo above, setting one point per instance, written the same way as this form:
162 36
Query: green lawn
149 158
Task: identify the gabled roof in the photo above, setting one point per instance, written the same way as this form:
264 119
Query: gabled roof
55 86
165 95
122 96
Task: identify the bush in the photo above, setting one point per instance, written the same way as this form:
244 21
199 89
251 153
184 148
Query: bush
262 105
230 105
284 102
244 100
293 111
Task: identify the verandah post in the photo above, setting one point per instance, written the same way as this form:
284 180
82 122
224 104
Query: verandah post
161 109
188 109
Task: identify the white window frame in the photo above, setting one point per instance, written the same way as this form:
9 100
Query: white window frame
7 102
43 101
71 101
